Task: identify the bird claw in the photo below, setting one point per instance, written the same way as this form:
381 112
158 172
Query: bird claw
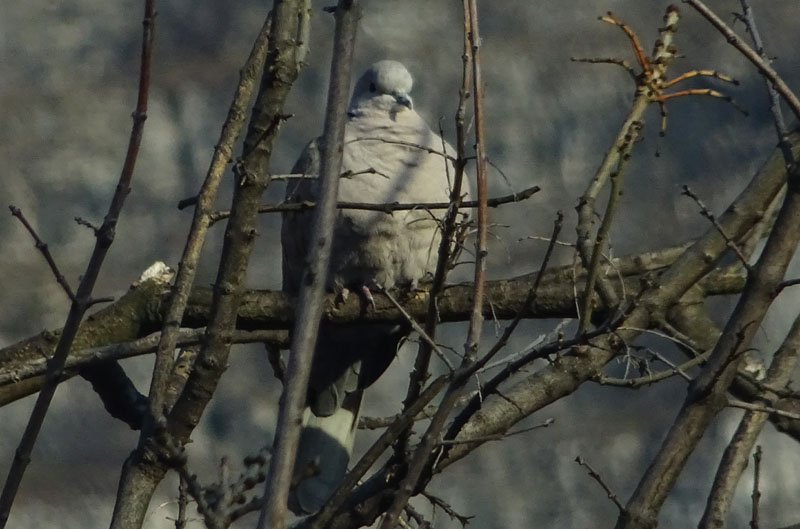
368 296
344 293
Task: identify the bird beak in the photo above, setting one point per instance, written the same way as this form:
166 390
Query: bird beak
403 99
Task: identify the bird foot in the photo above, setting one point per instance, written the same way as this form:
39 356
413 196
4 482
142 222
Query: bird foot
344 293
368 296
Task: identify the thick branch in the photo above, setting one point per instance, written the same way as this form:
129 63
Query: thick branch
569 371
202 219
146 466
706 395
139 313
734 460
312 291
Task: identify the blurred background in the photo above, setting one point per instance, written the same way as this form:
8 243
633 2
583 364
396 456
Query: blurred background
67 89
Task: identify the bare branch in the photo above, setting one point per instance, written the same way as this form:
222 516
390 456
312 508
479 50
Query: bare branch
42 247
430 439
390 207
595 476
706 396
448 245
312 291
756 488
615 195
145 467
202 219
136 313
648 87
749 53
775 104
710 216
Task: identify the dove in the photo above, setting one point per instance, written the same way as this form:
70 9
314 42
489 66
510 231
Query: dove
390 154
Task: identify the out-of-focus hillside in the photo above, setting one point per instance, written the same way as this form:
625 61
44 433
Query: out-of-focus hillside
67 89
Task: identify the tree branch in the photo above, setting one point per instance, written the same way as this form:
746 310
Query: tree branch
750 54
145 467
138 314
313 284
706 396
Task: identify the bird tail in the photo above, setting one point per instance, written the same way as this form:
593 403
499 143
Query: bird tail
323 454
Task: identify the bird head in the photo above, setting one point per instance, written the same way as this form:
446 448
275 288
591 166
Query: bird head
386 84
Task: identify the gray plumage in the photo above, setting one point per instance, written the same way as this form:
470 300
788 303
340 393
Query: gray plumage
382 163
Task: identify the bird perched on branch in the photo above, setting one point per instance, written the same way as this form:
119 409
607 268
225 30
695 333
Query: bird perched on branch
390 155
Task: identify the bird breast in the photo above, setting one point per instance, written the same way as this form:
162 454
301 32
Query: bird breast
387 165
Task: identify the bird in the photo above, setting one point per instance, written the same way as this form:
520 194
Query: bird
390 154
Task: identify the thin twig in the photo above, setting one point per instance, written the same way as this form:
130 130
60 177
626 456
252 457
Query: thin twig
701 73
615 195
736 403
42 247
674 370
595 476
191 201
450 238
420 520
183 502
413 145
774 101
389 207
481 248
225 501
374 423
763 66
788 283
419 330
638 50
497 437
608 60
713 219
438 502
756 496
709 92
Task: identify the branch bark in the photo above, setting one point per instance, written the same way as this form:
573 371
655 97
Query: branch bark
138 314
146 466
734 460
312 291
706 396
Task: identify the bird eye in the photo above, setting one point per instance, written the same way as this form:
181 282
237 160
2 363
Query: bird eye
372 87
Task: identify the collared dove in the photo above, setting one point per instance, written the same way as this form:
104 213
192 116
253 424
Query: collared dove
390 155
